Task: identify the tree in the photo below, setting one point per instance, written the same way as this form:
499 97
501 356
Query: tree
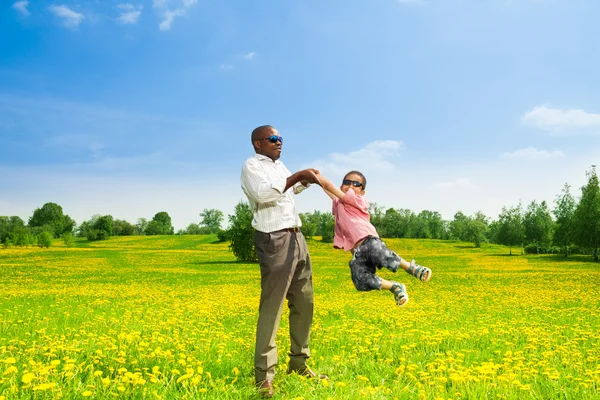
68 239
327 227
122 228
421 225
510 227
160 225
10 228
99 227
140 226
211 220
587 215
377 214
538 225
310 223
104 227
51 215
564 212
44 239
193 229
241 233
476 228
459 226
435 224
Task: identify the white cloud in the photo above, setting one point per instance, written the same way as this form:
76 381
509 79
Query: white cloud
531 153
130 13
21 7
70 18
250 55
456 183
556 120
377 156
170 9
226 66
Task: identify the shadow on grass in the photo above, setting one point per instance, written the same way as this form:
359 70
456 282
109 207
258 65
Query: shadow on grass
549 257
221 262
458 246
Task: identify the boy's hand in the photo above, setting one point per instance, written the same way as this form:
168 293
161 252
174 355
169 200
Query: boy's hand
310 175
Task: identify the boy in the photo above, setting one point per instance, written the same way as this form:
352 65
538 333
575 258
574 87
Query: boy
354 232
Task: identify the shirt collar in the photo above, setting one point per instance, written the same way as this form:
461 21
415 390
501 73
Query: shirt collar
262 157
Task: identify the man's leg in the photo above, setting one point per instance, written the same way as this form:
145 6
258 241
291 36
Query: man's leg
277 266
301 304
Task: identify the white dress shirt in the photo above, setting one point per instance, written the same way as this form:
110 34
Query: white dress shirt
263 181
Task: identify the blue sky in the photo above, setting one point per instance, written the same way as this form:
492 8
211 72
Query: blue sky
130 108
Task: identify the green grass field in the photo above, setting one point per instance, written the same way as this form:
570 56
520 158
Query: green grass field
174 318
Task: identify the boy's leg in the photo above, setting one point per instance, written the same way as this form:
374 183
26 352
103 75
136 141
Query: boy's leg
363 272
383 256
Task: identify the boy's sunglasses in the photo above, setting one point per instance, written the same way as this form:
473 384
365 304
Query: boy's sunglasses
273 139
353 183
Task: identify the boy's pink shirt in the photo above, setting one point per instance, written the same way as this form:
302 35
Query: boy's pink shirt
352 220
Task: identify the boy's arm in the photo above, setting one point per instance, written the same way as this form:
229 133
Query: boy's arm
330 189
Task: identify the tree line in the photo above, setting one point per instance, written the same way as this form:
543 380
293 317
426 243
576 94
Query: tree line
570 226
49 222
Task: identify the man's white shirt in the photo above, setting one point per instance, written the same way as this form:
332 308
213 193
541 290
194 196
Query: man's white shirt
263 181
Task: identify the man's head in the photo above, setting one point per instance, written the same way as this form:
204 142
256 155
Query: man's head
267 141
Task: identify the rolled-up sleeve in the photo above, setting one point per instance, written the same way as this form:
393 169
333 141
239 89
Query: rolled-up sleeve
299 188
259 187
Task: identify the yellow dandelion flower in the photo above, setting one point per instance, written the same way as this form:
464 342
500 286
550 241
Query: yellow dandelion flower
11 370
87 393
28 377
45 386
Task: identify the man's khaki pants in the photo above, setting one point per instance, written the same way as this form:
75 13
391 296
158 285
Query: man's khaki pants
286 273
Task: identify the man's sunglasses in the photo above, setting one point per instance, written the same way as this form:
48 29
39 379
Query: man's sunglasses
353 183
273 139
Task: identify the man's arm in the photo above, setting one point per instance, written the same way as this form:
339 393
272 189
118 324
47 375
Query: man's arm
305 175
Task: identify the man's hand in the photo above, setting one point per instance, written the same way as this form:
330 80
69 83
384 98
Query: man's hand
312 176
304 176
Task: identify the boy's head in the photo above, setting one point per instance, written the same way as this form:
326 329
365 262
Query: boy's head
354 180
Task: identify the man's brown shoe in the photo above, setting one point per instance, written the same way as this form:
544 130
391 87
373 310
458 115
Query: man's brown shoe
265 388
307 373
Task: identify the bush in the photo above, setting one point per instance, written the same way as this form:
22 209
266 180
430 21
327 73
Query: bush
223 236
548 249
68 239
241 233
44 239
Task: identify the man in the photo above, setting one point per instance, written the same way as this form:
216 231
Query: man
285 266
